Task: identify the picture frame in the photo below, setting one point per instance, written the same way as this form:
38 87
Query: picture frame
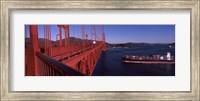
7 6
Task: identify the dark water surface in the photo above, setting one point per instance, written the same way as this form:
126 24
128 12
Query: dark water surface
110 63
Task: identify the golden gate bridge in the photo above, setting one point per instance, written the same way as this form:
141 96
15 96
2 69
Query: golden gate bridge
63 58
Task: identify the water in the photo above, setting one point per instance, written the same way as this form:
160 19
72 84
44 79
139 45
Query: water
110 63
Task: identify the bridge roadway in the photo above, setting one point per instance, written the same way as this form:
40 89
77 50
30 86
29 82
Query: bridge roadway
73 61
82 60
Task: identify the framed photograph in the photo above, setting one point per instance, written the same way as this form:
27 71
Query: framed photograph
100 50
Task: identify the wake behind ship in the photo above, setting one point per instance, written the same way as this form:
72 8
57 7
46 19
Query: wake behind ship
152 59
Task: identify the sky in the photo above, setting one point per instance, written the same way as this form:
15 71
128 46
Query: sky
119 33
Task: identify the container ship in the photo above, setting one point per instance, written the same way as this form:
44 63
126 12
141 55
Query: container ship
152 59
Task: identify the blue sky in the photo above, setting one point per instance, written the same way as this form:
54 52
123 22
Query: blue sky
121 33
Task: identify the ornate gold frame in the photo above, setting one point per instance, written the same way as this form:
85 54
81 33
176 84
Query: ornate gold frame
8 5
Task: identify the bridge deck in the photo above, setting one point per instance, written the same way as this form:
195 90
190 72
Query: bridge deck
73 61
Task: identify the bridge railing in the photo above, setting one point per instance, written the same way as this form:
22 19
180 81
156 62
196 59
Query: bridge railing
51 67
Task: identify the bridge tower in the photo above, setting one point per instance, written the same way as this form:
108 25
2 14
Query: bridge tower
57 39
67 37
83 36
47 40
60 33
35 48
103 39
93 34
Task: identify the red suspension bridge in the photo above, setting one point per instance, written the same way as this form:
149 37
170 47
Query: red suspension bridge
63 58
